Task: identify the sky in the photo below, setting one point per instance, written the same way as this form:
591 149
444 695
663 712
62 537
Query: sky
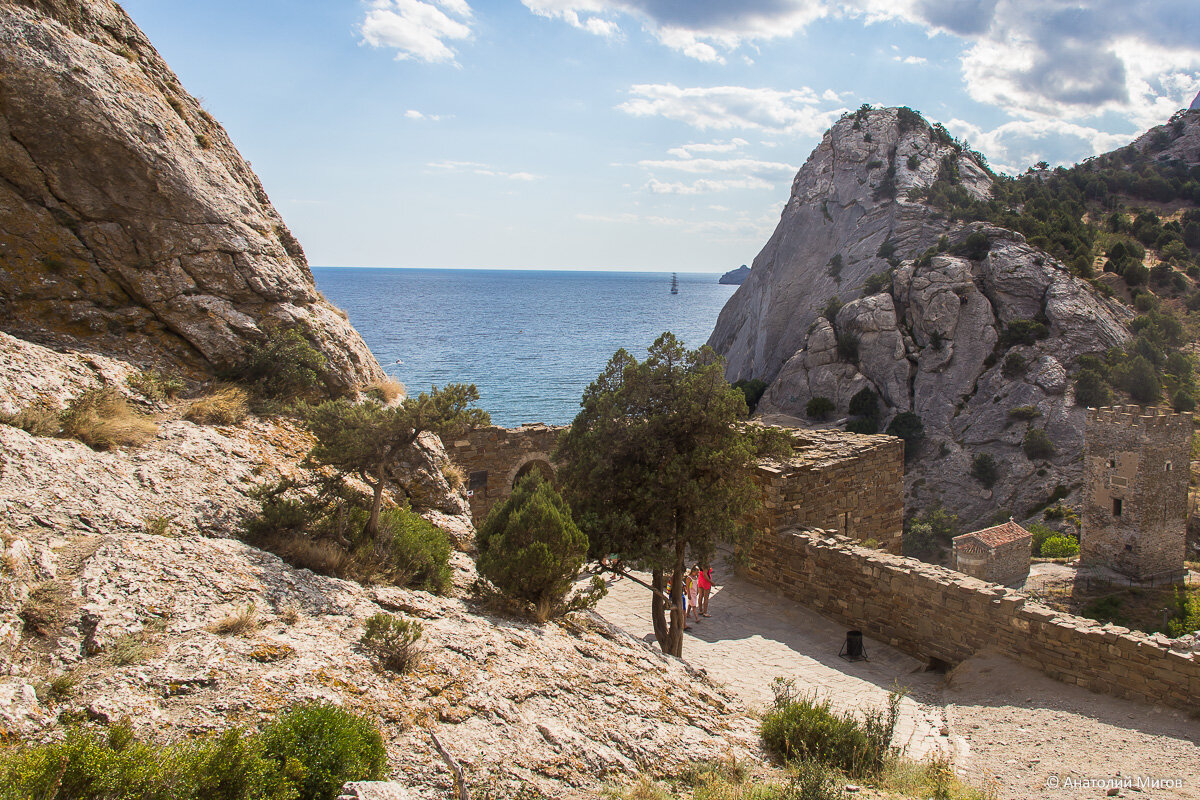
636 134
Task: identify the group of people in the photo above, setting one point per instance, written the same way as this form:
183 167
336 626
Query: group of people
697 586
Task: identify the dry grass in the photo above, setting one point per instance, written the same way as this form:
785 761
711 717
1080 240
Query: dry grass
320 556
225 405
44 609
156 385
39 419
385 391
289 613
103 420
244 620
454 476
62 685
130 649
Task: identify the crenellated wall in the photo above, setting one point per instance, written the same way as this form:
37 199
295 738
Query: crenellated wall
935 613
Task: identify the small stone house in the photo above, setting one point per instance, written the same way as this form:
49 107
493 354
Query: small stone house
999 554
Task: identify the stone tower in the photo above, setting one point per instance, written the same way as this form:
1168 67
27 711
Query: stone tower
1136 463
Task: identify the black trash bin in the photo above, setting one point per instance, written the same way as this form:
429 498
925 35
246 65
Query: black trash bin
853 649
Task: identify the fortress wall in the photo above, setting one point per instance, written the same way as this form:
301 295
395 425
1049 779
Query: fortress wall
856 490
934 613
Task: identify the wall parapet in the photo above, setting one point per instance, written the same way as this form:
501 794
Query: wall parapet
935 613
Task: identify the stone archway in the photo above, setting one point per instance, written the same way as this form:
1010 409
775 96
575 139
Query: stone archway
533 462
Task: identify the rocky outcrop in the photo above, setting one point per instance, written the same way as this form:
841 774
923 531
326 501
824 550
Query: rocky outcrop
137 228
735 277
554 708
1178 139
926 339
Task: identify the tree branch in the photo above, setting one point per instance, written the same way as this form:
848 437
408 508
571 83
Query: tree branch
460 780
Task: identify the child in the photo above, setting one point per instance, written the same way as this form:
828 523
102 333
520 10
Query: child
692 591
704 580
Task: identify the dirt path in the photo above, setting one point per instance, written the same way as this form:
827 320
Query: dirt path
1003 723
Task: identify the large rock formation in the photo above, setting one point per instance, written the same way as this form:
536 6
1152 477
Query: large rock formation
136 227
925 341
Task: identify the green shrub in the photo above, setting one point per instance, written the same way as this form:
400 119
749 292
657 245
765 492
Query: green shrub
1091 390
832 308
907 426
753 389
929 532
876 283
1014 365
863 425
392 641
1023 332
1060 546
1024 413
1141 381
819 408
329 745
1037 445
985 469
284 366
865 403
1039 533
418 551
1105 609
1185 612
86 765
834 268
847 346
801 728
531 550
156 385
975 246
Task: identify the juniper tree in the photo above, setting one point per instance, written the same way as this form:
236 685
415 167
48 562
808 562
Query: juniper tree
366 438
657 466
532 550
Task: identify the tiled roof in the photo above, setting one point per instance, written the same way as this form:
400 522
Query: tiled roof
997 535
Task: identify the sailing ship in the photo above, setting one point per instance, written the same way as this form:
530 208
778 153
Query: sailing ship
674 283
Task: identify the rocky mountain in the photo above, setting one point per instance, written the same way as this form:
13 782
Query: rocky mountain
865 284
137 228
735 277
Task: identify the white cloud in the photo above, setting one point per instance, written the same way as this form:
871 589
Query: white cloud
796 111
910 60
706 31
744 166
417 30
476 168
412 113
1033 59
706 185
690 150
1015 146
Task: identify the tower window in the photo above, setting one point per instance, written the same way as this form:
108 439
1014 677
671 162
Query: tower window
1116 506
1112 463
1168 467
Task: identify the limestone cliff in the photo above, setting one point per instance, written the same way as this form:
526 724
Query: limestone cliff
128 220
924 337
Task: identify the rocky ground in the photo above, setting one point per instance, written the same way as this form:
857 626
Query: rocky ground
128 560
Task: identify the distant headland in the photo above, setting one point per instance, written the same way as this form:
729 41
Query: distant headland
735 277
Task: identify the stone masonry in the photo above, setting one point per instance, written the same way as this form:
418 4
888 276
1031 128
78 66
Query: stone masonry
496 458
844 482
840 481
999 554
946 617
1136 465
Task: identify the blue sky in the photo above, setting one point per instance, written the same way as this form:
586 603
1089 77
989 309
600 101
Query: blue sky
635 134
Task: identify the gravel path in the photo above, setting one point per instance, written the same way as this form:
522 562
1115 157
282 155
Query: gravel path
1003 723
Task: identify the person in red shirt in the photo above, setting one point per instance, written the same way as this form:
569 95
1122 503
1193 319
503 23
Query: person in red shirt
705 585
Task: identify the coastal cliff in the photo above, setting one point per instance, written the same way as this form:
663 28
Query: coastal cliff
866 284
136 228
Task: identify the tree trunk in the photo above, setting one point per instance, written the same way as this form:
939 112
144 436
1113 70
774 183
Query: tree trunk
675 634
658 608
372 528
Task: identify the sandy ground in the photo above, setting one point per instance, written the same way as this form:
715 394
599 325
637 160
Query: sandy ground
1004 724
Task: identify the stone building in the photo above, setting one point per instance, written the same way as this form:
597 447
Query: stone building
843 482
999 554
1136 465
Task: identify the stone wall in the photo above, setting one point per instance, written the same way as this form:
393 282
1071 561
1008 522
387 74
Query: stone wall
838 481
495 458
1136 468
935 613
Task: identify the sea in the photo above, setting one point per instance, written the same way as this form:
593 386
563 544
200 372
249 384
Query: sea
531 341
